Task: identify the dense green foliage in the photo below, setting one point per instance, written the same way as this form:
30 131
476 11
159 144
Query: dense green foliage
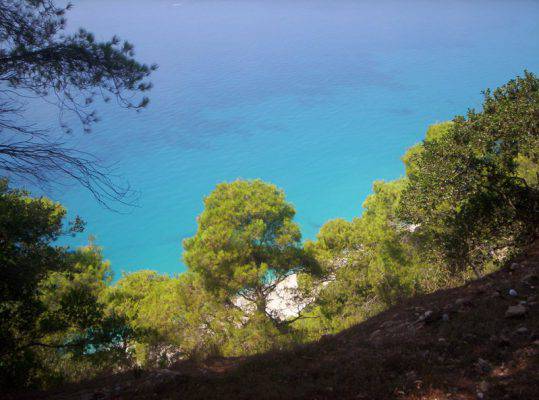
468 200
473 185
371 263
246 243
49 308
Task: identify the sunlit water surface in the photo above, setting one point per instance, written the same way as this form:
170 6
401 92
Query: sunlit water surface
318 97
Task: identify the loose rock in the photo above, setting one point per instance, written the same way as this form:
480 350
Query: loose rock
504 341
375 334
516 311
464 301
428 316
469 337
530 279
522 330
483 386
483 366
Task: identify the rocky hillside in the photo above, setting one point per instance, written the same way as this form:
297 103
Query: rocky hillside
478 341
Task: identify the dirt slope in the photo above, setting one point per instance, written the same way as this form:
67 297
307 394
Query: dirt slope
453 344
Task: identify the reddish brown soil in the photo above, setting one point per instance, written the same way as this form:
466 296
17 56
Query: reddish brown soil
474 352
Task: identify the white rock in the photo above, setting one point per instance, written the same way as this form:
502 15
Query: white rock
284 302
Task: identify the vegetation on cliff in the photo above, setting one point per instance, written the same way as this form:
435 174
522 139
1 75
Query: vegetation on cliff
467 203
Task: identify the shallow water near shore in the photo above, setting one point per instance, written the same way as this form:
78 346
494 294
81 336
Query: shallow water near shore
319 97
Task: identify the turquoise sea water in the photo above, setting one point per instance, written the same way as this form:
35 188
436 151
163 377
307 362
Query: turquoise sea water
318 97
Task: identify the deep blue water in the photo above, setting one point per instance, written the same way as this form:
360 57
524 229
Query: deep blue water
318 97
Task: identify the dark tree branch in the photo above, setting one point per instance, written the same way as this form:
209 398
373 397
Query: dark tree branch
39 61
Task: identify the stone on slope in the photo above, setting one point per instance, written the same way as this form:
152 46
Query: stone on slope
516 311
